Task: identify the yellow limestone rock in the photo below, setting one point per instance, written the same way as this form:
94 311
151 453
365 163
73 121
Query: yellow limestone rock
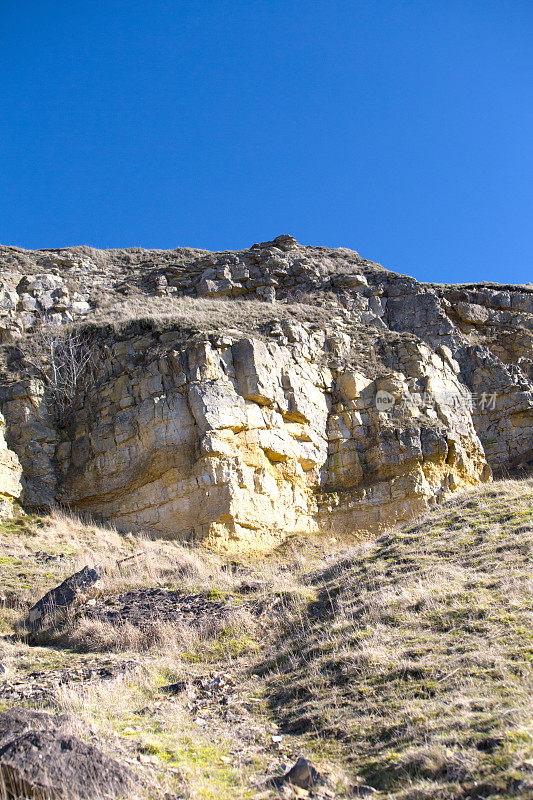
353 401
239 442
10 474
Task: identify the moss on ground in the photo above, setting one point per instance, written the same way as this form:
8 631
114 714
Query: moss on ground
416 660
407 663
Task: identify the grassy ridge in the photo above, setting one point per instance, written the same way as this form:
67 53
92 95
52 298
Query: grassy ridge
415 663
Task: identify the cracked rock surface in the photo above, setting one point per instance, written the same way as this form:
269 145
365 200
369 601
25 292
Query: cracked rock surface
236 397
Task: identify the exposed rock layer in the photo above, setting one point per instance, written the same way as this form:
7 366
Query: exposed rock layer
10 474
282 388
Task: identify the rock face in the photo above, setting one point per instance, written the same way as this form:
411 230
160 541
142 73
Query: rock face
239 397
10 473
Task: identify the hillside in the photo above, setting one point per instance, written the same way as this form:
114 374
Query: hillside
416 658
401 668
250 542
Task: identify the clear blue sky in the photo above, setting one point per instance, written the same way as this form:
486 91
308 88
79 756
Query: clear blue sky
400 128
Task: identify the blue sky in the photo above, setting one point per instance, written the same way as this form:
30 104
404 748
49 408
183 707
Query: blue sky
400 128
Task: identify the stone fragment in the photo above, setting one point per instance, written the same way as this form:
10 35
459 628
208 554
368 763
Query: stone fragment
354 384
302 774
472 313
61 596
9 299
80 307
253 370
29 303
266 293
354 280
210 288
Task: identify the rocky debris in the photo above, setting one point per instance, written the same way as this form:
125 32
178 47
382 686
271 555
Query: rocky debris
218 698
61 597
19 720
174 688
219 701
215 687
27 301
41 758
251 585
144 607
361 399
42 685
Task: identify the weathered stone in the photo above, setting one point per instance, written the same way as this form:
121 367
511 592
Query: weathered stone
350 417
254 379
17 721
472 313
10 475
353 384
9 299
48 763
302 774
266 293
61 597
217 406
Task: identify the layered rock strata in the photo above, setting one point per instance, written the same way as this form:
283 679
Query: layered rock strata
10 474
244 396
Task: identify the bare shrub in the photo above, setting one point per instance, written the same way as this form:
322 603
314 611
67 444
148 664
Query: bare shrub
63 357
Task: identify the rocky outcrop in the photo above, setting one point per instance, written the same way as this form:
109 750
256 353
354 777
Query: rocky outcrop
10 474
274 390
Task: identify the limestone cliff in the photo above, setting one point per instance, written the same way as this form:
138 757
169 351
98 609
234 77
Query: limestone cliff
10 473
237 397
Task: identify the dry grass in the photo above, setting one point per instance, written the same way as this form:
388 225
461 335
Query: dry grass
138 723
211 314
39 552
205 640
140 313
66 543
416 661
131 719
407 661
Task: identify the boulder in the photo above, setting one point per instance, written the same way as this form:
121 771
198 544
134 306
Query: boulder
17 721
302 774
50 764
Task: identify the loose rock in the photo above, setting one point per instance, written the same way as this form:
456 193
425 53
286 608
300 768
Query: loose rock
302 774
61 596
